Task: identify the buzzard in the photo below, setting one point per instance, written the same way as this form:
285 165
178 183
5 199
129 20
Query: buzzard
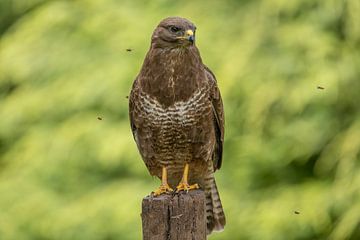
177 118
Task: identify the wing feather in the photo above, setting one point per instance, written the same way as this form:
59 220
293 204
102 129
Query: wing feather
219 120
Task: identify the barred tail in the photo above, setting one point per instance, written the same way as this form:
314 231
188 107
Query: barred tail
215 217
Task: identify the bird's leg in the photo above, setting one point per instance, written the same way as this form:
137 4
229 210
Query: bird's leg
184 185
164 187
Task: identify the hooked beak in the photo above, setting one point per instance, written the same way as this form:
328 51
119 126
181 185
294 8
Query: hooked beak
189 35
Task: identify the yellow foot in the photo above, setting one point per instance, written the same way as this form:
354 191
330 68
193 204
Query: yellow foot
186 187
164 188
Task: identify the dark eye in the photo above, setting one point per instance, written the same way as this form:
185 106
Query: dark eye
174 29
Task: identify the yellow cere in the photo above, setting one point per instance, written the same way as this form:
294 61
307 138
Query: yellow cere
189 32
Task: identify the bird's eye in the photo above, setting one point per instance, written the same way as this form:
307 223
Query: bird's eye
174 29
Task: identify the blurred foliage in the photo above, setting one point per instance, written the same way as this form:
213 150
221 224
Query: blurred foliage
290 146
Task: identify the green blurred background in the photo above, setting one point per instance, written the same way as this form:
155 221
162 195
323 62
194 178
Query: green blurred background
289 146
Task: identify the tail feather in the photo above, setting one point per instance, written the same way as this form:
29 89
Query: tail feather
215 216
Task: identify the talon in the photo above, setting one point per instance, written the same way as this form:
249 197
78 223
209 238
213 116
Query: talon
184 185
164 187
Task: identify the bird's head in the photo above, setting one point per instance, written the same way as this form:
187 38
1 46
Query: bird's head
173 32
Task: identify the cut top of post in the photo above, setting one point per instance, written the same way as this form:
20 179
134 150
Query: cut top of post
179 216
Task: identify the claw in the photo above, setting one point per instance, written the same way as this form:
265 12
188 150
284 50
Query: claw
184 185
164 188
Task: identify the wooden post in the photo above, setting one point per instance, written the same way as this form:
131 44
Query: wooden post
178 216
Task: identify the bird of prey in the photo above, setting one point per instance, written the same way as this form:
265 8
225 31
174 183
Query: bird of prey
177 118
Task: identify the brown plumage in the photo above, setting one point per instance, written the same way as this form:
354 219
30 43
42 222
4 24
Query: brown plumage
176 113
